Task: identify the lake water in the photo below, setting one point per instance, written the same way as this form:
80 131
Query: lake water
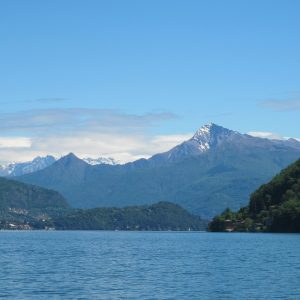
148 265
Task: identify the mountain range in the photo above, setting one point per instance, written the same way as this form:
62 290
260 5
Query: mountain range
27 207
40 163
215 169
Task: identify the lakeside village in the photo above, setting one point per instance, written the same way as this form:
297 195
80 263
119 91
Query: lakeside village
23 224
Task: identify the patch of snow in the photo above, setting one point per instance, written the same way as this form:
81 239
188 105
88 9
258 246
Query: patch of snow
17 168
101 161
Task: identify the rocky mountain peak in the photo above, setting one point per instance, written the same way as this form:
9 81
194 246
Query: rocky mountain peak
211 135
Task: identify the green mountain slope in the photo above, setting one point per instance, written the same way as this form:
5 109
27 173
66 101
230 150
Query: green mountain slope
21 203
160 216
273 207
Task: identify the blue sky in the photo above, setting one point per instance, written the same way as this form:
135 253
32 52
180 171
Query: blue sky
171 65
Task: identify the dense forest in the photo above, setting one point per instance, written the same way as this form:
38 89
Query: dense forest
159 216
274 207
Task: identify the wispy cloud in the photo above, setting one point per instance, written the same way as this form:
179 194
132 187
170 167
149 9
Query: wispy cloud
270 135
282 105
14 142
266 135
87 132
48 121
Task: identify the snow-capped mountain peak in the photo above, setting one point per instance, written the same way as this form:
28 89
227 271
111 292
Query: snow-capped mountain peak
203 137
204 130
101 161
211 135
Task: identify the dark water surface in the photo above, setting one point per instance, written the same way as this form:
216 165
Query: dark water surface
148 265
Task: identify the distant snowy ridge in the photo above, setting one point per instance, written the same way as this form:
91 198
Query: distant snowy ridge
40 163
207 138
18 169
101 161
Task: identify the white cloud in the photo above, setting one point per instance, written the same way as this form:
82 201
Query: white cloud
121 147
174 138
270 135
61 121
166 142
15 142
266 135
86 132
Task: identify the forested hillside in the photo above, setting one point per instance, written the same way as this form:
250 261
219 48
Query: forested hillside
21 204
159 216
273 207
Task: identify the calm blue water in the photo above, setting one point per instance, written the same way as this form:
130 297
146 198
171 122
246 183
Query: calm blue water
148 265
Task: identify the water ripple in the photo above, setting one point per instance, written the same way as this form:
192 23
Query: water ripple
148 265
